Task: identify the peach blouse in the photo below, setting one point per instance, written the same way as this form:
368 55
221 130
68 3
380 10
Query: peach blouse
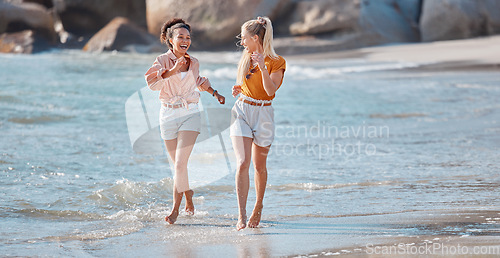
175 89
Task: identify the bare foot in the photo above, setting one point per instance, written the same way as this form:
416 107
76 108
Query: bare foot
172 217
189 202
242 223
254 220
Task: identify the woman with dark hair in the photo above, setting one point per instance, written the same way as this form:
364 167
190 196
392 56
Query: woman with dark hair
176 75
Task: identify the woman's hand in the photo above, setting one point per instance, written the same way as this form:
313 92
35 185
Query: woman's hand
179 63
236 90
220 98
259 59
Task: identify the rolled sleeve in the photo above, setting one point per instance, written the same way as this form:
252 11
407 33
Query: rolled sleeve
201 83
153 75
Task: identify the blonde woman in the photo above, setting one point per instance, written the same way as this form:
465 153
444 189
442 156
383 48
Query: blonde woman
260 74
176 75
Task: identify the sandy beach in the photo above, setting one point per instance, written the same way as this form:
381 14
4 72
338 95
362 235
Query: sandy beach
453 233
479 52
387 131
426 233
432 189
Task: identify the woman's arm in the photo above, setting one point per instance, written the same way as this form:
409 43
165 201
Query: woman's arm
271 82
154 75
204 84
208 88
178 64
157 72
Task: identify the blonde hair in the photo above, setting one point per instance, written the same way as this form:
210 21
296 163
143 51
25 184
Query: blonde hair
263 28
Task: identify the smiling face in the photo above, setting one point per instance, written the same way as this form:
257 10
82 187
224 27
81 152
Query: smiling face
181 41
249 42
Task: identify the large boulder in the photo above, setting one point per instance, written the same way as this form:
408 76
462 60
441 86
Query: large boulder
324 16
16 16
17 42
118 34
391 20
86 17
214 22
491 12
459 19
46 3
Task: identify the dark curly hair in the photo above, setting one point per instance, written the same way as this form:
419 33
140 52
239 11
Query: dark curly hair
168 28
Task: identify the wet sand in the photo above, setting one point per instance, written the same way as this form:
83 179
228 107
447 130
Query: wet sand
427 233
406 233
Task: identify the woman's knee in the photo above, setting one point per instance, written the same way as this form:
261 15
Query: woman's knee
243 163
180 166
260 169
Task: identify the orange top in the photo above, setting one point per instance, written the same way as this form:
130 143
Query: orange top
253 87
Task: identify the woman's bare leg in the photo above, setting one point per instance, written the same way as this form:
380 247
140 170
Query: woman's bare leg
189 202
171 148
177 197
259 155
175 210
184 146
242 147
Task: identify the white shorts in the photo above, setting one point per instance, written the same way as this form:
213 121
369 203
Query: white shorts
255 122
173 120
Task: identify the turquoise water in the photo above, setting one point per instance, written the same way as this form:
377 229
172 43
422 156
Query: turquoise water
353 138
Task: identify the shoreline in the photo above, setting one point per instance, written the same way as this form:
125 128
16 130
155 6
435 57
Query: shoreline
467 54
454 55
435 232
436 173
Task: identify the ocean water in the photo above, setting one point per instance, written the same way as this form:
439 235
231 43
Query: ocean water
353 139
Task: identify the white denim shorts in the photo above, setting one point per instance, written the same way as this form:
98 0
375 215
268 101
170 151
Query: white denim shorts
174 120
251 121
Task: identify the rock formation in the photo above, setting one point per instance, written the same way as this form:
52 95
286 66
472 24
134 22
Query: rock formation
459 19
118 34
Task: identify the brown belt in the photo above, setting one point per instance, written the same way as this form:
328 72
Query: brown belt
254 103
